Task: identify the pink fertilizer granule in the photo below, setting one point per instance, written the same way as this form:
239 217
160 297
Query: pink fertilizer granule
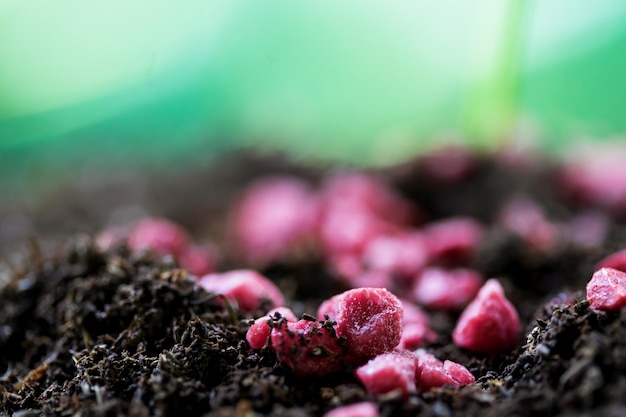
446 289
490 323
607 289
308 347
389 372
159 235
370 319
259 332
246 287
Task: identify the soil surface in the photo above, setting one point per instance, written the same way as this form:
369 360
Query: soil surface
106 333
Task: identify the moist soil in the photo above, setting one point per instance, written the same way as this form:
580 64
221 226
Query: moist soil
107 333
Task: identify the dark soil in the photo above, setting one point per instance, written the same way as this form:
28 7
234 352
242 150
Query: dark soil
85 332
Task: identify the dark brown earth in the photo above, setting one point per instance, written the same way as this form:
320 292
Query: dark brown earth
85 332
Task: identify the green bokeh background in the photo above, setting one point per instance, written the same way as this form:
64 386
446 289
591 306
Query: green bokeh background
159 82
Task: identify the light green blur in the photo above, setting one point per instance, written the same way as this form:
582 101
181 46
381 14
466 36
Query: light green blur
370 82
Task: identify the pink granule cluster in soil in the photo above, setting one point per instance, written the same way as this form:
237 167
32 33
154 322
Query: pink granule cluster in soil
355 326
404 372
401 266
431 372
379 244
373 239
369 235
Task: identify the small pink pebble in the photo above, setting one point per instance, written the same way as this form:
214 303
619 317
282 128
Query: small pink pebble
443 289
247 287
404 254
489 324
368 193
198 260
348 228
274 214
607 290
308 347
159 235
458 372
432 373
453 240
363 409
370 319
616 260
415 327
393 371
259 332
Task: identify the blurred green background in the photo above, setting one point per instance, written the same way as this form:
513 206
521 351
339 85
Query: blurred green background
152 83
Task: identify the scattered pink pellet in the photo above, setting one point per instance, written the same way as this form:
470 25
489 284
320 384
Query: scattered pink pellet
458 372
370 319
415 327
259 332
444 289
159 235
403 254
453 240
274 214
348 228
198 260
308 347
368 193
615 260
432 373
607 290
526 218
392 371
489 323
247 287
363 409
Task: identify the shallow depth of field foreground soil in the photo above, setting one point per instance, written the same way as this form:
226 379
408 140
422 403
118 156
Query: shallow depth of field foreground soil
85 331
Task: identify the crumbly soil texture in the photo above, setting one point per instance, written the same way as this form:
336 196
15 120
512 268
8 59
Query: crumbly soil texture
86 332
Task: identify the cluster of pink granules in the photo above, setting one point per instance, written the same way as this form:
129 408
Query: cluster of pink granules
368 234
378 243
